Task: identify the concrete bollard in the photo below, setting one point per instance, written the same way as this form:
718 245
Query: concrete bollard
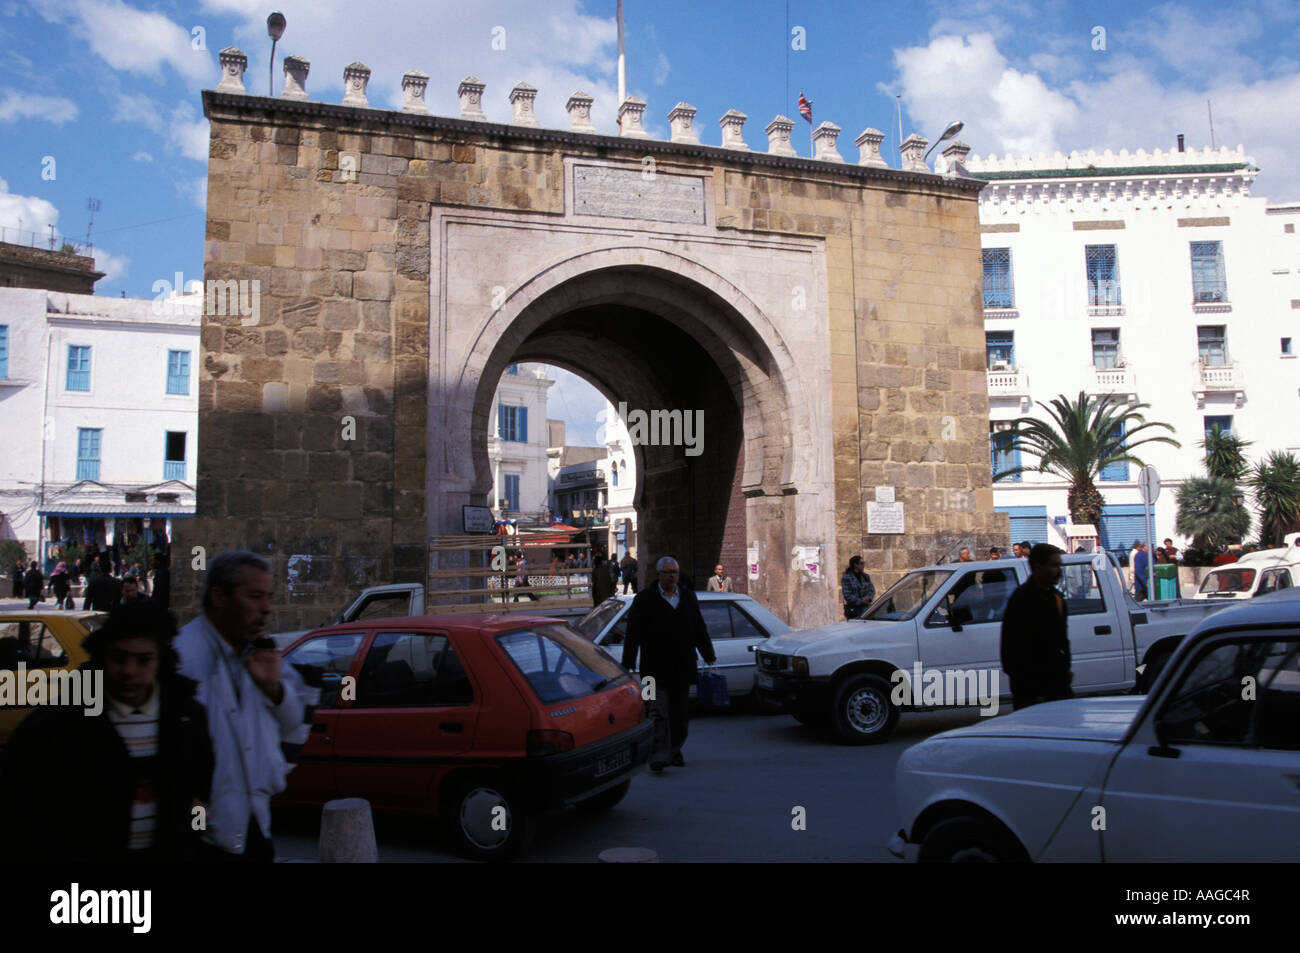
347 833
628 855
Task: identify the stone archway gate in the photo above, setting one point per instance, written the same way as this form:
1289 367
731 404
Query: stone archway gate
404 260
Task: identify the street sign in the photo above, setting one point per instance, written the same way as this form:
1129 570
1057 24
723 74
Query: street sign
1149 485
476 519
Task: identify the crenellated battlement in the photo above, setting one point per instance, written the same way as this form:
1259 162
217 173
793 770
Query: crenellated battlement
1108 161
681 118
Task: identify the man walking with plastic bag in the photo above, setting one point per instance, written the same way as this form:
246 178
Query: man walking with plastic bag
665 626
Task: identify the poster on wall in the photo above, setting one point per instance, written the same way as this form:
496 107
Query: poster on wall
809 560
751 560
884 517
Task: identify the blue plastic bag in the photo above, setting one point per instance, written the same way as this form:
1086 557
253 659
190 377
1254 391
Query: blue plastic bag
712 689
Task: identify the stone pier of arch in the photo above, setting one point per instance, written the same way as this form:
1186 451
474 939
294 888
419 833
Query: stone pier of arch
825 318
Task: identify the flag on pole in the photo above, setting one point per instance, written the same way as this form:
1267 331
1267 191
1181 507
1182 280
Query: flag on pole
805 108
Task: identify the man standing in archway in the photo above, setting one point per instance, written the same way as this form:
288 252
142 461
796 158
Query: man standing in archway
665 625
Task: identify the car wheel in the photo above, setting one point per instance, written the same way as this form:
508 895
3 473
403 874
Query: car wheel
861 712
489 819
605 800
1156 662
970 840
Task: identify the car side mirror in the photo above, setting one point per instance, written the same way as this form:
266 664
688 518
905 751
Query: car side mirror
1162 748
959 616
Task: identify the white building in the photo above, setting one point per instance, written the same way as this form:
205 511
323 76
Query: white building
620 464
517 444
1150 276
100 403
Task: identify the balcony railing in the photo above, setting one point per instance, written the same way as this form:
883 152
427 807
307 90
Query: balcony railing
173 469
1008 383
1120 381
1220 379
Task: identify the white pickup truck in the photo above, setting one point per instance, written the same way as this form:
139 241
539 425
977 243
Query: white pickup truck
943 625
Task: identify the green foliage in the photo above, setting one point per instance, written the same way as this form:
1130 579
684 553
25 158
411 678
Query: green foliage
1210 511
10 550
1224 456
1079 439
1275 481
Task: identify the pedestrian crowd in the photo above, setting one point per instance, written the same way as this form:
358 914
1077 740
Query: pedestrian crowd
103 588
182 761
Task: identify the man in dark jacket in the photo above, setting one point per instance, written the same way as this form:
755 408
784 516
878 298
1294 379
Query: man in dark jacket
34 585
602 586
16 577
162 581
1035 633
665 625
126 783
102 592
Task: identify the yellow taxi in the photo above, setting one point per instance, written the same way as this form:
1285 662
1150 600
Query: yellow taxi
40 638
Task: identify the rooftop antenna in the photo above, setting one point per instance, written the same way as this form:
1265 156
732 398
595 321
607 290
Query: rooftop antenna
92 206
1210 110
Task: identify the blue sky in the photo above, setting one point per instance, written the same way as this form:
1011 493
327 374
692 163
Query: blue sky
100 98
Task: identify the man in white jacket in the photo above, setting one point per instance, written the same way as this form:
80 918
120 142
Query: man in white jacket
254 703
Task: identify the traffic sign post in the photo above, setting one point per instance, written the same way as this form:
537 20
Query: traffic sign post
1149 487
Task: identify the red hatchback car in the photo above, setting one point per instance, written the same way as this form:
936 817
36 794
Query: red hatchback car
482 720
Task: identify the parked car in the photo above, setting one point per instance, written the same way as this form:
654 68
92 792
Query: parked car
1203 768
1254 574
390 601
948 619
481 720
40 638
737 624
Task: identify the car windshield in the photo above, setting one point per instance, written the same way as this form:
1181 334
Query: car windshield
905 598
1227 581
559 663
595 621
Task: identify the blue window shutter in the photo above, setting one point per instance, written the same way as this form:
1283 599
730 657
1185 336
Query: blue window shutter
1115 471
501 421
523 424
4 350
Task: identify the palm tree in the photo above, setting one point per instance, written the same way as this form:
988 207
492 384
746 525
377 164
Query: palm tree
1211 512
1276 482
1223 455
1083 437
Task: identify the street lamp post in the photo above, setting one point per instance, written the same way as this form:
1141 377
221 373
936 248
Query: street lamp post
954 127
274 29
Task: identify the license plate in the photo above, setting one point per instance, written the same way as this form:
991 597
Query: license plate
765 681
615 761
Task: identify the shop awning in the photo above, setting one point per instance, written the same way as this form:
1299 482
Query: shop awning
117 510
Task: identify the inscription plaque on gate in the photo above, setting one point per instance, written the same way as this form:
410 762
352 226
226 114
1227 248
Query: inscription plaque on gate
632 193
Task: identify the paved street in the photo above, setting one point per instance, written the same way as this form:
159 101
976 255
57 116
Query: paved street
745 773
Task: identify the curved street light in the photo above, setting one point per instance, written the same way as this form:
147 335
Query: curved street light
954 127
275 24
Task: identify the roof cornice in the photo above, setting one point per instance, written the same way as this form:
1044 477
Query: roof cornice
231 106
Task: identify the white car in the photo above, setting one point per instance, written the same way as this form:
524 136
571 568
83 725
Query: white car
736 622
1206 767
1254 574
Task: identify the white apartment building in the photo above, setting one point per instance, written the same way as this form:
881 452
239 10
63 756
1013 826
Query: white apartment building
100 402
601 491
1151 276
517 444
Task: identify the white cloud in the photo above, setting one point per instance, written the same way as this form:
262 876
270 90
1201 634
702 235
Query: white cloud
573 400
660 70
142 157
196 190
188 134
26 212
1123 104
16 105
131 40
137 107
113 266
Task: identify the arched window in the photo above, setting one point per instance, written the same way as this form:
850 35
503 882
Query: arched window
613 471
